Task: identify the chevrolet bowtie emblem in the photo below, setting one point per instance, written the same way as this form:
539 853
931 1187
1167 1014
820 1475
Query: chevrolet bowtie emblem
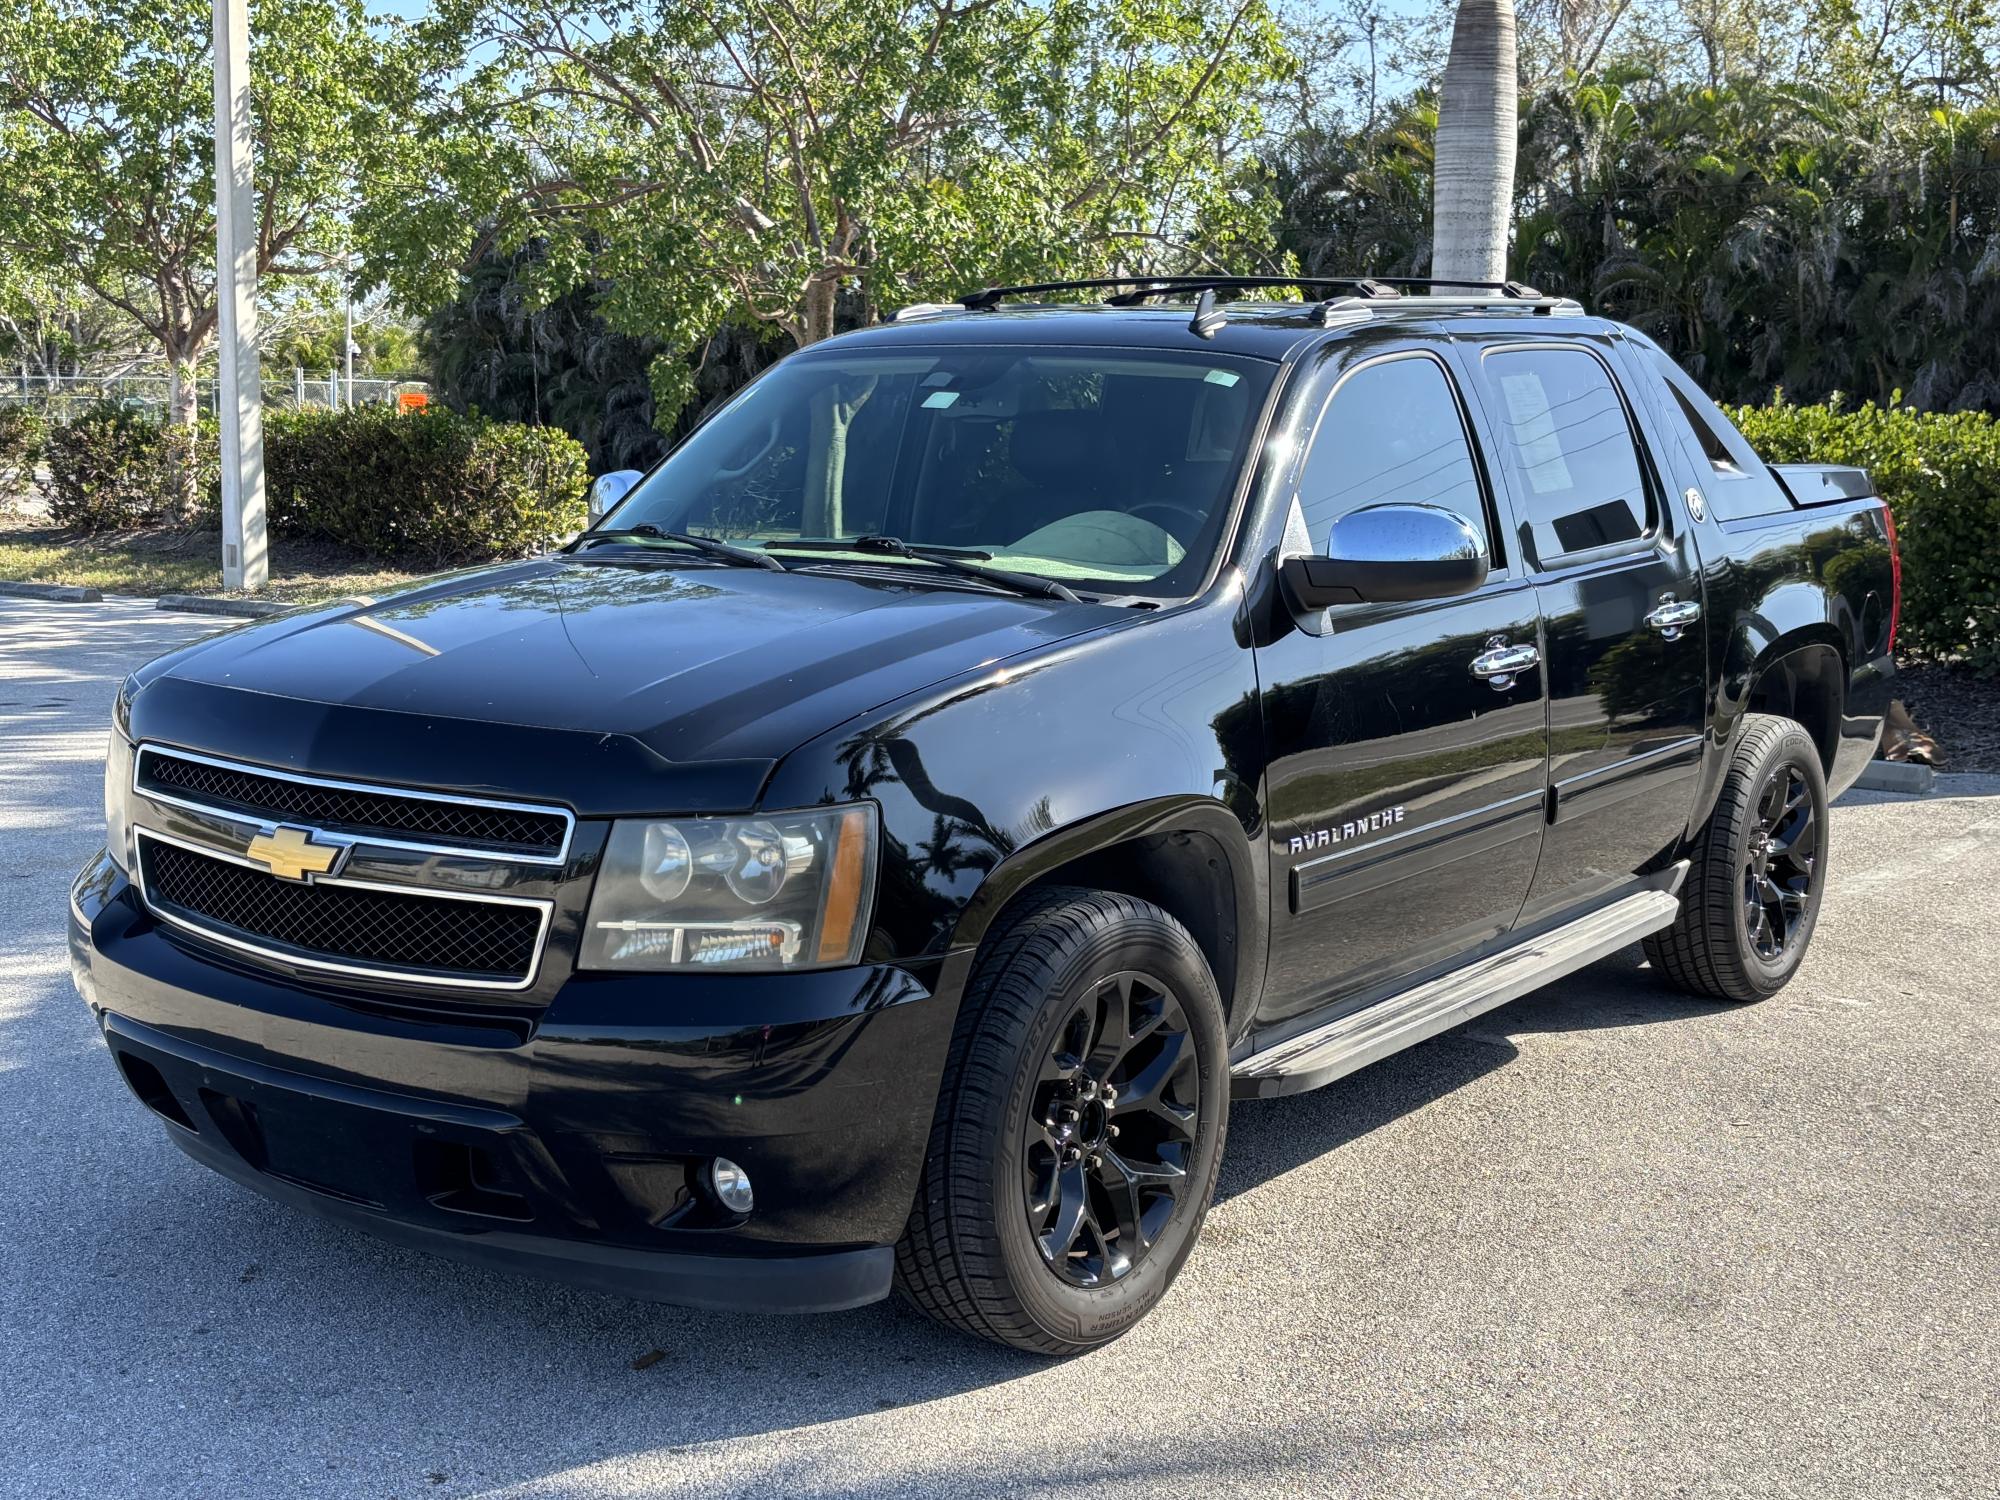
290 853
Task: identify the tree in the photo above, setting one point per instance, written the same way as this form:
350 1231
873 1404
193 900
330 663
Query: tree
749 162
107 155
552 359
1476 132
48 328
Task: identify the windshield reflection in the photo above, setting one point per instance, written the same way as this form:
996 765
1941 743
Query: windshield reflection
1109 470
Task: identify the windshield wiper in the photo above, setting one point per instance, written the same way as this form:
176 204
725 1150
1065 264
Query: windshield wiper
743 557
951 559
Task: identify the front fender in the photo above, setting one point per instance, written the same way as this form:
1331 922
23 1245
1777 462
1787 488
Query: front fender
991 781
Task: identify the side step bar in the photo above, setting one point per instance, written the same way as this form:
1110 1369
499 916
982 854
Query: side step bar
1353 1041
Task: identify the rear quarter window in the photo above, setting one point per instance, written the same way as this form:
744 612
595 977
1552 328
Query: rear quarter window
1734 480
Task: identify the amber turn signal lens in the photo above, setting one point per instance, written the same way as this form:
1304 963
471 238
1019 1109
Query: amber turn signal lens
846 890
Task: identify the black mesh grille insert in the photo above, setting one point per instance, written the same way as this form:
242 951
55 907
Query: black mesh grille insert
473 939
278 799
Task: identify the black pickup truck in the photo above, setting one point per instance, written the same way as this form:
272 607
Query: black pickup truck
875 854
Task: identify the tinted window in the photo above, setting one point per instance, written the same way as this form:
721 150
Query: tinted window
1111 469
1571 448
1391 433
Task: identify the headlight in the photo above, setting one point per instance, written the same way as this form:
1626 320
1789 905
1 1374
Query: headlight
778 891
117 794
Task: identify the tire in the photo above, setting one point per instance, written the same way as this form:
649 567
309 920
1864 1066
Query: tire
1753 894
1019 1136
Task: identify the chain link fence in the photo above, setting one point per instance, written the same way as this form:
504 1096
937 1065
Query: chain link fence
60 397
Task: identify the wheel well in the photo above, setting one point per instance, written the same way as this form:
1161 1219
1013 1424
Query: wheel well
1808 686
1186 875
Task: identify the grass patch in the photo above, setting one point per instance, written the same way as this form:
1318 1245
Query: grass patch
164 560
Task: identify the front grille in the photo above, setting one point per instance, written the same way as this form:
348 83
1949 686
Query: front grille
275 798
354 926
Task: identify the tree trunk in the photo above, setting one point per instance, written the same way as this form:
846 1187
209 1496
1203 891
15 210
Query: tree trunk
182 393
834 408
1473 182
819 303
183 416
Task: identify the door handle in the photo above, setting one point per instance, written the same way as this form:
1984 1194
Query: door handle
1501 663
1673 616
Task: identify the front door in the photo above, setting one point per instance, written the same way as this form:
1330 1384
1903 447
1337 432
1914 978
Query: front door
1405 790
1620 592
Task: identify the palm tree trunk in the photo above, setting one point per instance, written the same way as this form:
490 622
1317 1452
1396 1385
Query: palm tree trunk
1473 183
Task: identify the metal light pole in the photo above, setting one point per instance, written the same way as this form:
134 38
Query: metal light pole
245 560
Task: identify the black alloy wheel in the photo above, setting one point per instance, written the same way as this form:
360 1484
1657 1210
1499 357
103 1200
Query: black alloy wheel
1079 1126
1756 870
1780 863
1110 1129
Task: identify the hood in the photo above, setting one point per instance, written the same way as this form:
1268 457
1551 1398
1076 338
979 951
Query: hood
692 664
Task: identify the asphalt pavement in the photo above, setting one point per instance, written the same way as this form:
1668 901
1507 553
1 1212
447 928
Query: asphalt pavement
1606 1241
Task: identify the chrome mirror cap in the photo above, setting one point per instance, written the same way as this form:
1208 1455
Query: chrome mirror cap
606 490
1389 552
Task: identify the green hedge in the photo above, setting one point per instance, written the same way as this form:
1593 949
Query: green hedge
111 469
23 434
1940 473
431 487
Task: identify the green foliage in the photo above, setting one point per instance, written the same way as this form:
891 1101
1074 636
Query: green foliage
740 163
112 469
1940 473
22 436
433 488
107 153
1768 234
501 349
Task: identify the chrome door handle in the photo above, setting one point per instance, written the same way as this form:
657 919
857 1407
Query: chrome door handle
1673 616
1501 663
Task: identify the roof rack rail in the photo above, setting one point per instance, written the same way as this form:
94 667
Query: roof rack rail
1347 297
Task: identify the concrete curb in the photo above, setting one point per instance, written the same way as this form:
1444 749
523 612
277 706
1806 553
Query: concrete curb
1902 776
202 604
68 593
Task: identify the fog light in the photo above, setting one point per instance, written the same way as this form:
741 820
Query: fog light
731 1184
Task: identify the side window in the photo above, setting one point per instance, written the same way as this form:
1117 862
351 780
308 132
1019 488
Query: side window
1391 433
1571 448
1727 451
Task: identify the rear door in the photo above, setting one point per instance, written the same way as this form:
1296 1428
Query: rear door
1619 588
1405 791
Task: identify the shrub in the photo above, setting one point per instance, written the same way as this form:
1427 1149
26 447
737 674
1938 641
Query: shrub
1940 473
111 468
432 487
23 432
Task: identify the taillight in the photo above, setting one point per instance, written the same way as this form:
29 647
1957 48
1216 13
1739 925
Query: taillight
1895 577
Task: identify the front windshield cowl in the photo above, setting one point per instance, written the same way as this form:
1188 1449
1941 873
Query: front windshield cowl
1105 471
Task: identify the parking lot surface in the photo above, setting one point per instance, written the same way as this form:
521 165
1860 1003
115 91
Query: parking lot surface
1605 1241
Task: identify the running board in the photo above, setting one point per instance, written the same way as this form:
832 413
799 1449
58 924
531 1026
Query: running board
1353 1041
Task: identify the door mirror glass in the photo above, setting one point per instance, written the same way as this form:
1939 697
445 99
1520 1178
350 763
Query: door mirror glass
1382 553
606 490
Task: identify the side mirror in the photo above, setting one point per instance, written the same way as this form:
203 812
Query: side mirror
606 490
1382 553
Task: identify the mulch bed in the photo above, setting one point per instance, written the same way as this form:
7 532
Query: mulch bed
1958 709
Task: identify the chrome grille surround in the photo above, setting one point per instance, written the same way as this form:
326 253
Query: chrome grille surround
361 832
221 830
216 930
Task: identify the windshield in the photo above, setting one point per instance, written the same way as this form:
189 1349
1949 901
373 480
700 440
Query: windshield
1108 470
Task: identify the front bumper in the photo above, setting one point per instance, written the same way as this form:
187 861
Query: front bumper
572 1142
